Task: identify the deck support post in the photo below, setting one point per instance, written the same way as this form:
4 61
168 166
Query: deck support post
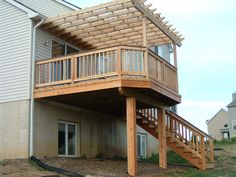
162 138
131 136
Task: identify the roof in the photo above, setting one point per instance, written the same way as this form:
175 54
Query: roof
31 13
232 104
68 4
119 22
221 110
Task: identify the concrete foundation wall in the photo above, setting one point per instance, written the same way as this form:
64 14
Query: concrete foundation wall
152 143
14 129
97 133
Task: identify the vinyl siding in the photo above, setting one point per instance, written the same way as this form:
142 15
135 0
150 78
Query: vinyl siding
14 53
43 51
46 7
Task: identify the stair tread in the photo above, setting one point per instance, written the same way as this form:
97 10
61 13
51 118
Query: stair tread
178 145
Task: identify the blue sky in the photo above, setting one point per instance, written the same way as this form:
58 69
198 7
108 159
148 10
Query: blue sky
207 58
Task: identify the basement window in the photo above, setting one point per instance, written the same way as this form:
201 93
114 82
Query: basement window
67 139
142 145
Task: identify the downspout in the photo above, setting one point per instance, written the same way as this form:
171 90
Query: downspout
32 66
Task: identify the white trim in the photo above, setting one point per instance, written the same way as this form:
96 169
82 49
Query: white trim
31 13
67 4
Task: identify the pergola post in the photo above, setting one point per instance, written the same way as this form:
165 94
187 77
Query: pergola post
162 138
144 32
131 136
175 54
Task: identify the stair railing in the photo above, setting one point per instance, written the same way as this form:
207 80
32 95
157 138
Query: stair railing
198 141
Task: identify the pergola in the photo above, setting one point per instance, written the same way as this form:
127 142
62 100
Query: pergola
119 22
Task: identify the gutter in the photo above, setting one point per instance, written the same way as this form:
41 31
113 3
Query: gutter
32 78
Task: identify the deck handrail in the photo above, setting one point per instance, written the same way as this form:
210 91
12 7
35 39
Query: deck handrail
201 142
118 61
195 139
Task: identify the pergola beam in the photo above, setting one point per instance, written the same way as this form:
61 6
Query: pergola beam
117 22
157 22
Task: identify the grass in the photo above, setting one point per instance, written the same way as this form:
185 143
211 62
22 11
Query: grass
225 163
226 141
172 157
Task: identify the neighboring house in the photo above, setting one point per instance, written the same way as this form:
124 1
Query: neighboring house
77 83
223 124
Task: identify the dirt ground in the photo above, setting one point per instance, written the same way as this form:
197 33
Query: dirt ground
225 167
106 168
21 168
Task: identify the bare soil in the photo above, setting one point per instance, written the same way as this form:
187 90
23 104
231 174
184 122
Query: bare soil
106 168
21 168
225 167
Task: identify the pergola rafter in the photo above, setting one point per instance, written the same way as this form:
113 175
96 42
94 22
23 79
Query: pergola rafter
119 22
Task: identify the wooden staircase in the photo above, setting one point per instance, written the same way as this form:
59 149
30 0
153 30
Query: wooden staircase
182 137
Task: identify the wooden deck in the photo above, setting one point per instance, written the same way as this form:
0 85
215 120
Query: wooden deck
107 69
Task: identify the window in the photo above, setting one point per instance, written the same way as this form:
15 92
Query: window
67 139
234 124
60 49
142 144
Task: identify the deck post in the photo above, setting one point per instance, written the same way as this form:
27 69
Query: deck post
162 138
131 136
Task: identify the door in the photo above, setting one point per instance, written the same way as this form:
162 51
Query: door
67 139
142 144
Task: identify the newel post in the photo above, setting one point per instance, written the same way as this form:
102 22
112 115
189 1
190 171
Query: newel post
119 61
73 69
211 144
131 136
203 153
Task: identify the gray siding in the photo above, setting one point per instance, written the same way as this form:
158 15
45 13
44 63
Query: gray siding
43 51
14 53
46 7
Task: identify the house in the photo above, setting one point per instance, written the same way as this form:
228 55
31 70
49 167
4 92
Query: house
223 124
77 82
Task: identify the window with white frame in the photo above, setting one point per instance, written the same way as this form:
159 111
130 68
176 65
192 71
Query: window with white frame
67 138
142 145
234 124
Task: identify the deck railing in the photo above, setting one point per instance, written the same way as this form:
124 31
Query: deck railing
198 141
122 61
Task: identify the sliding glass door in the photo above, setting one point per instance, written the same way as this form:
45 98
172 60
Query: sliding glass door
67 139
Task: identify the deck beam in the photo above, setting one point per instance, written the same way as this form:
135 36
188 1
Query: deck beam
131 136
